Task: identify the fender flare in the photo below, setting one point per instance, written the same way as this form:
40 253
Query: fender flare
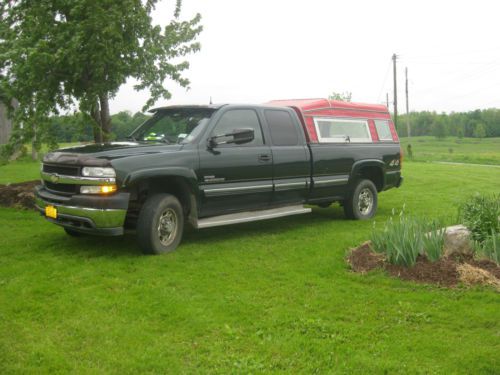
358 165
141 174
186 174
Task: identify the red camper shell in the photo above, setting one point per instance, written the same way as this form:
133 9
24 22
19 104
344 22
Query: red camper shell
330 121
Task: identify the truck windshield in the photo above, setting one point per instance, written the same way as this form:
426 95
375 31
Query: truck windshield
173 126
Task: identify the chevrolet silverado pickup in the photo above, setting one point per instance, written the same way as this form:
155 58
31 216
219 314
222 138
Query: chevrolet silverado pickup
223 164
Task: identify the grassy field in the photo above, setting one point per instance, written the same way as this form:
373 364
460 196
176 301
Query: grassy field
453 149
271 296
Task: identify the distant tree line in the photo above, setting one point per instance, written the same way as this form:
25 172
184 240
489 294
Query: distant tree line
477 124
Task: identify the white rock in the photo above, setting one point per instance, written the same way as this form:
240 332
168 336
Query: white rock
457 241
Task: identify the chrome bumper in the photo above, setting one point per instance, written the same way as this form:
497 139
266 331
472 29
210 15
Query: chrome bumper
93 220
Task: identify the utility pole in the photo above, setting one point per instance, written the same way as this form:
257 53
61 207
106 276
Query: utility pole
407 106
387 99
394 58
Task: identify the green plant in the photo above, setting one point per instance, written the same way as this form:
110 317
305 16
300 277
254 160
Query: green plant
400 240
3 155
403 238
433 240
481 214
490 247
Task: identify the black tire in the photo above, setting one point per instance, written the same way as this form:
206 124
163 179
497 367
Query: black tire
73 233
160 224
362 202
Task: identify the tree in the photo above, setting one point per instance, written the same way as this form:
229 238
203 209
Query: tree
479 131
439 127
345 96
57 54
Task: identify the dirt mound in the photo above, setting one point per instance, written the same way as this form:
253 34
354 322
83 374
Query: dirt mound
18 195
364 259
445 272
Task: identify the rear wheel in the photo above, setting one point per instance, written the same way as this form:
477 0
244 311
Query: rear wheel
362 203
160 224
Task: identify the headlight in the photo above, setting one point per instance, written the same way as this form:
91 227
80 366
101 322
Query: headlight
105 189
98 172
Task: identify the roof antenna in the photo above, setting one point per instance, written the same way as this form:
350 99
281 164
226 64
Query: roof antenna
210 100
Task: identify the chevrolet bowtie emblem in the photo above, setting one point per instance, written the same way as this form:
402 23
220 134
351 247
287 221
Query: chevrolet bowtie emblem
54 178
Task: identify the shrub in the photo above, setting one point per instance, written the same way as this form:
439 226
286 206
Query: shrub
481 214
490 247
3 155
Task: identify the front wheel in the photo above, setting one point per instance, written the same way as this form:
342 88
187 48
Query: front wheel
160 224
362 202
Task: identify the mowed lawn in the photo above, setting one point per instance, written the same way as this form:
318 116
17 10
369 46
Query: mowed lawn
273 296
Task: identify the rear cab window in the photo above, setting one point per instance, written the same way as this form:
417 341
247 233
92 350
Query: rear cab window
282 128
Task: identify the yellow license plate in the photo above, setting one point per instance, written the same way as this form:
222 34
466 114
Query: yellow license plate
51 211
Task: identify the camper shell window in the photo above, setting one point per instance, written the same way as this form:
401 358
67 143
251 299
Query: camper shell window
336 130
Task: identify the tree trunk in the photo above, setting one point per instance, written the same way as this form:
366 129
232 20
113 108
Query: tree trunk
105 117
34 153
102 119
96 129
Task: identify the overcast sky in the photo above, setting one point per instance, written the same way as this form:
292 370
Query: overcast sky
256 51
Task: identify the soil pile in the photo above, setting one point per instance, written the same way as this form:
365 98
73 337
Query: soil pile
18 195
445 272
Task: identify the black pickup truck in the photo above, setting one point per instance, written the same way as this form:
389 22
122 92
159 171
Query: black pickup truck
223 164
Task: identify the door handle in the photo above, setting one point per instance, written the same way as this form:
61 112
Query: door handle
265 157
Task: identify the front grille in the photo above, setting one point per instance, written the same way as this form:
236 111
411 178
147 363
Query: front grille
62 188
62 169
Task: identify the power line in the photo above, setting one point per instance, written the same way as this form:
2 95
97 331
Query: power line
385 80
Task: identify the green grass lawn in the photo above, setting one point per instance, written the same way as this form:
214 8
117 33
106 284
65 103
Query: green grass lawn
24 169
19 171
453 149
272 296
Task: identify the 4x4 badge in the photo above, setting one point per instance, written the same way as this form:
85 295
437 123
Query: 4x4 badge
54 178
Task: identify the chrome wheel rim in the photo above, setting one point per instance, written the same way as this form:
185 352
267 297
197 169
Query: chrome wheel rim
365 201
167 227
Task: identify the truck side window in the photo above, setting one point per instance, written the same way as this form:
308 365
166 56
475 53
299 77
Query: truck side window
342 130
282 128
237 119
383 130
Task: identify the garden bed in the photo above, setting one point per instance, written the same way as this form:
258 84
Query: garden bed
447 271
20 195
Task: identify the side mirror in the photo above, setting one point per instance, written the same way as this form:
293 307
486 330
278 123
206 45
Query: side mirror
238 136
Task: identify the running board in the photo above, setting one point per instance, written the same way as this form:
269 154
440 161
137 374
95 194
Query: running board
244 217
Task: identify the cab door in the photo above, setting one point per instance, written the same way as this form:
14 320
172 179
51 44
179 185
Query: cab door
235 177
291 157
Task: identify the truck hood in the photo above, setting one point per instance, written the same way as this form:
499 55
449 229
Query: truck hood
100 154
